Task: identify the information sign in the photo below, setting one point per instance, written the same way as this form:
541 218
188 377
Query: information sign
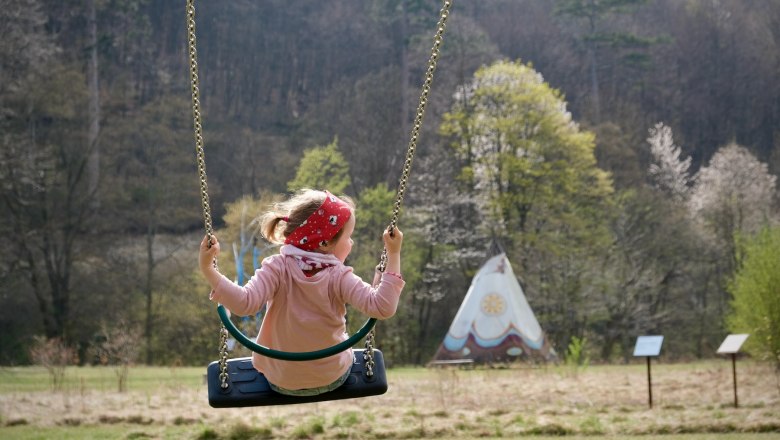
732 343
648 345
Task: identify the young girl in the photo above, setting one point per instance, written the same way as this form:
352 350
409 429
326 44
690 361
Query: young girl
306 288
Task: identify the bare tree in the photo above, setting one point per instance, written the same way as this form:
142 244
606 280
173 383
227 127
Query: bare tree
118 346
53 355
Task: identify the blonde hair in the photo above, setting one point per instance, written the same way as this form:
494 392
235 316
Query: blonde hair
293 212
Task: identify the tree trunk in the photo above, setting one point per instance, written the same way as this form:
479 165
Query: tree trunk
594 74
594 85
404 110
93 162
148 289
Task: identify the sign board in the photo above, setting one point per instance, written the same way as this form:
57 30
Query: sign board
648 345
732 343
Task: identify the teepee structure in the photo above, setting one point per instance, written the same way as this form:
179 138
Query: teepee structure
495 323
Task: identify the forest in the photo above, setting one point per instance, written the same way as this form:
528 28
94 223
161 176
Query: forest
623 153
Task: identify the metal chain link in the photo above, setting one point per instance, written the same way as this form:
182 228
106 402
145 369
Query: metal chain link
223 357
407 167
444 14
201 159
368 354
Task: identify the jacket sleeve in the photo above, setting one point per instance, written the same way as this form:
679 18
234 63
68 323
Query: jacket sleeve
248 300
378 302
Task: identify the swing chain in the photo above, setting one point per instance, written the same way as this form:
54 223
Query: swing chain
199 150
201 160
223 357
368 354
444 14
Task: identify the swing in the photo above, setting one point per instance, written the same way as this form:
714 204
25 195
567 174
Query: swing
235 382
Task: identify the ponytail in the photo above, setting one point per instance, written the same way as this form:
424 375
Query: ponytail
268 227
293 213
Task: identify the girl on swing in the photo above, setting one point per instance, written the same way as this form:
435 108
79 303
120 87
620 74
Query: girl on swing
306 287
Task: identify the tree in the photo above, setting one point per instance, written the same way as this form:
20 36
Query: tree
322 168
668 171
118 348
646 273
690 265
593 12
152 190
756 291
734 194
44 198
53 355
447 243
521 151
241 234
535 176
26 56
374 208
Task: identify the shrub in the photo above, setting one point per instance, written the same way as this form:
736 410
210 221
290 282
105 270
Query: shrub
53 355
756 303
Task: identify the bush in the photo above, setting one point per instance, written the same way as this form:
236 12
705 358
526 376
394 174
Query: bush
53 355
756 298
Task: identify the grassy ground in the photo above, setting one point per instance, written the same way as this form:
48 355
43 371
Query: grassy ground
691 402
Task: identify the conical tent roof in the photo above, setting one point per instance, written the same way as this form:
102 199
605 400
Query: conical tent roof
495 323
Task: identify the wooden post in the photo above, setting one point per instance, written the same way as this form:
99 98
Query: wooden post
734 374
649 385
731 346
648 346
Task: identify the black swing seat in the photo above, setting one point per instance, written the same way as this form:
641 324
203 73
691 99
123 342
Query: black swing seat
248 387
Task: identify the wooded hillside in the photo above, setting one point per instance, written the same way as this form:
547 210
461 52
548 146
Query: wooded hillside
619 151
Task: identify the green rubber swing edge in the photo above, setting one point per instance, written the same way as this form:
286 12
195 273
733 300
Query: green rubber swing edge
293 356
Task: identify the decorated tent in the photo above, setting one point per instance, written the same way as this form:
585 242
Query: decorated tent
495 323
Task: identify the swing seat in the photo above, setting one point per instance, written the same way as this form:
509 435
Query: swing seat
248 387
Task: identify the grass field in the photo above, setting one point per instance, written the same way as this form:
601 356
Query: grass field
691 401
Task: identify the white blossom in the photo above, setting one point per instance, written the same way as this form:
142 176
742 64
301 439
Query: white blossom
668 171
735 188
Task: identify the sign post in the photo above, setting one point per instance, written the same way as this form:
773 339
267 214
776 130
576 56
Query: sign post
648 346
731 345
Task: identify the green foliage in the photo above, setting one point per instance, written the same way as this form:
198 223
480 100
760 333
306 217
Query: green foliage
576 353
187 333
309 428
531 163
322 168
208 434
535 173
346 419
374 207
72 263
241 431
756 291
242 229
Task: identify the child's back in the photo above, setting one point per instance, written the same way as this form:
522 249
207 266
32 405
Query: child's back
306 288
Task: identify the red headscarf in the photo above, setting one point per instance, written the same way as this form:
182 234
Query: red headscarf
322 225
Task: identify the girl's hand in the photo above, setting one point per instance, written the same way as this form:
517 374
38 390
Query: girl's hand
393 243
207 254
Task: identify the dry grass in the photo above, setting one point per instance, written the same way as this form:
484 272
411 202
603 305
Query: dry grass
601 400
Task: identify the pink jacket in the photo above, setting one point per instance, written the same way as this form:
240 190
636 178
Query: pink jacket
306 314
